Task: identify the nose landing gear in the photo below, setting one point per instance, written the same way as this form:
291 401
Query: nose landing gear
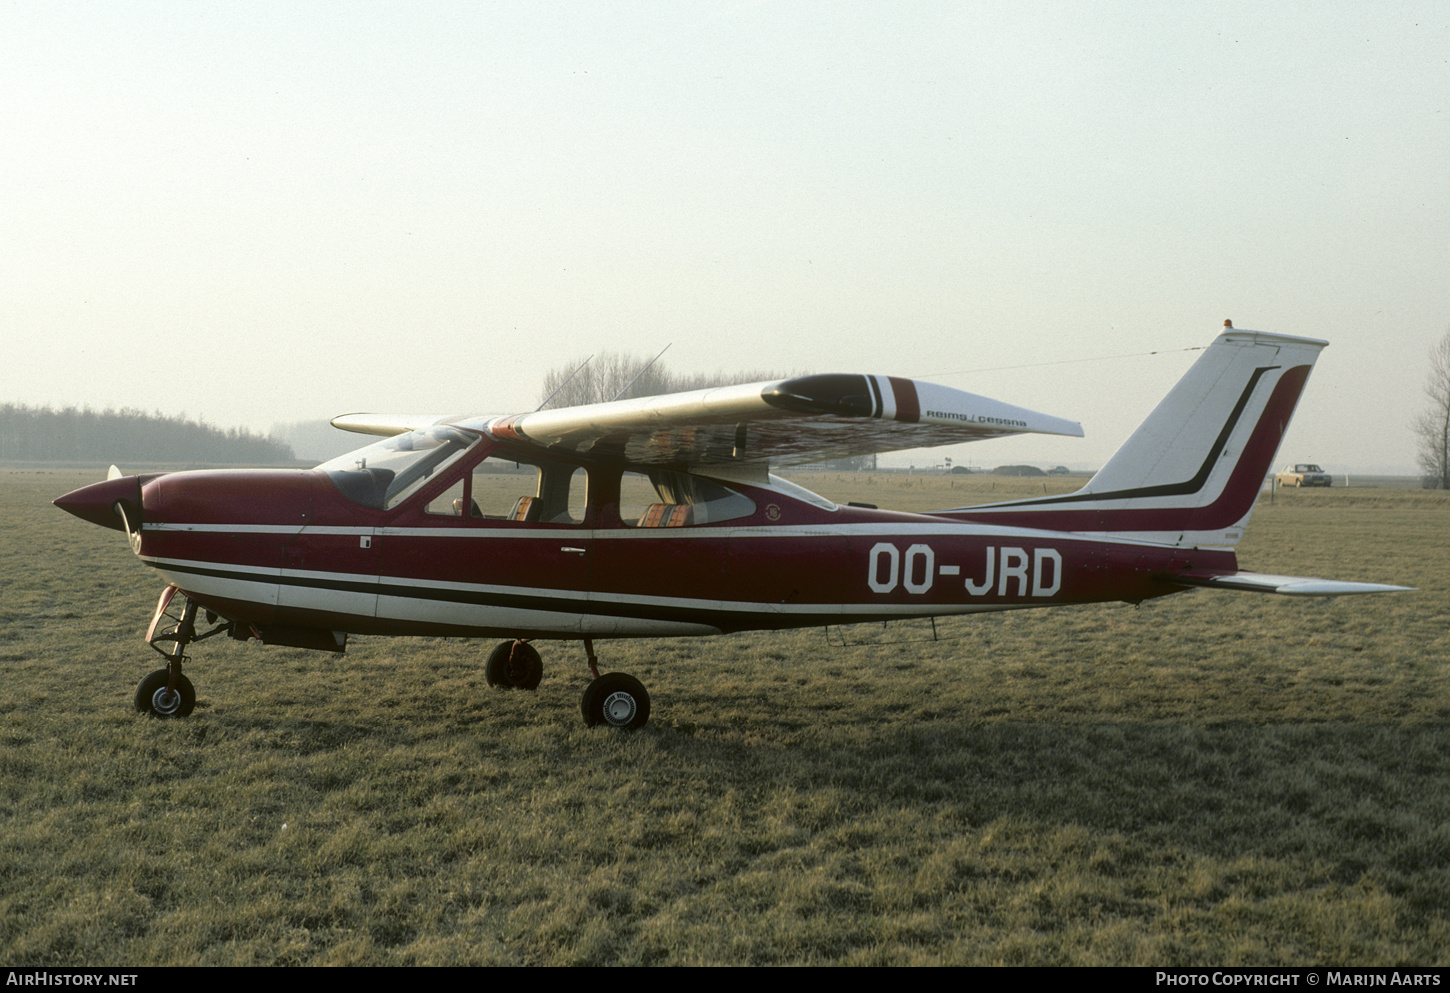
157 696
167 692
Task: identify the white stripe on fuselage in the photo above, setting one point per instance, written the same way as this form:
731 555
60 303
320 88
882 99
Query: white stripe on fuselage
393 601
991 532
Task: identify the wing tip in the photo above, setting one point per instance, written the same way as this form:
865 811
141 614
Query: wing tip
386 425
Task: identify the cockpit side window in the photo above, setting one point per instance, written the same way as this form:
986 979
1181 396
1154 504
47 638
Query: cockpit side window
504 489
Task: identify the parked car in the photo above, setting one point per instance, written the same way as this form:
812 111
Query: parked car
1302 474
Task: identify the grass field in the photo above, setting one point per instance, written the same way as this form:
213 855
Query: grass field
1213 778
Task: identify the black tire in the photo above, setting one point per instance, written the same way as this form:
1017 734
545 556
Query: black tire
616 700
152 696
515 665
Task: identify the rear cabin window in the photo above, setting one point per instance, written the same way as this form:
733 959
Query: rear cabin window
664 498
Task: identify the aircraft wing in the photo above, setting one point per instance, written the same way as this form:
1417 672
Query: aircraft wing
388 425
1258 582
787 422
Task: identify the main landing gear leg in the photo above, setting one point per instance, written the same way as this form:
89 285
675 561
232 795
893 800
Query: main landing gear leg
514 664
615 699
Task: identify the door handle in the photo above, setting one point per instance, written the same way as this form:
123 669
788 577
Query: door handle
571 548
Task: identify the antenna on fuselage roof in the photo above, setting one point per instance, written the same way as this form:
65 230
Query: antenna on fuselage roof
565 382
641 372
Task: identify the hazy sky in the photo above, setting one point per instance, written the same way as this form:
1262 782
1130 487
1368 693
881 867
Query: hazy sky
259 212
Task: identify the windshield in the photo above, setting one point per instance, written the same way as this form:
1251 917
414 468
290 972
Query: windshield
387 472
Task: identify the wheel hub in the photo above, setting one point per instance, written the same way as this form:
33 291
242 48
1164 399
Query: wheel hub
619 708
166 701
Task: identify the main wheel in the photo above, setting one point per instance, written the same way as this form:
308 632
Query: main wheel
615 700
153 697
514 664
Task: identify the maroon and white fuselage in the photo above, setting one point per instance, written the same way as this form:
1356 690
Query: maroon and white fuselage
660 517
286 548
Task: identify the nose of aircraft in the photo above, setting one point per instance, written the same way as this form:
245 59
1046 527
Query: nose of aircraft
97 503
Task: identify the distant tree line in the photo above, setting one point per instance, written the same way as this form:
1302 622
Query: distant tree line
80 434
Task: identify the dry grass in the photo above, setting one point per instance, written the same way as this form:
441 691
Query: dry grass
1212 778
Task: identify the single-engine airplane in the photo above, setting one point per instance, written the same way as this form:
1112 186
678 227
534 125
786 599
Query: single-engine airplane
660 516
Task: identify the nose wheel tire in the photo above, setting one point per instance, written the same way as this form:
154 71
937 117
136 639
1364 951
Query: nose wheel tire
514 664
615 700
155 697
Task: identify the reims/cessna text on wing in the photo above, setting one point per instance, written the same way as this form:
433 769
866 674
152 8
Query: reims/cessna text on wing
659 516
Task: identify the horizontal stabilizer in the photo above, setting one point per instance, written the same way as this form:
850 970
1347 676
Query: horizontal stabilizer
1258 582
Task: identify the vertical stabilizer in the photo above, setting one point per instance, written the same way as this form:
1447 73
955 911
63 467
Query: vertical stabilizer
1192 471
